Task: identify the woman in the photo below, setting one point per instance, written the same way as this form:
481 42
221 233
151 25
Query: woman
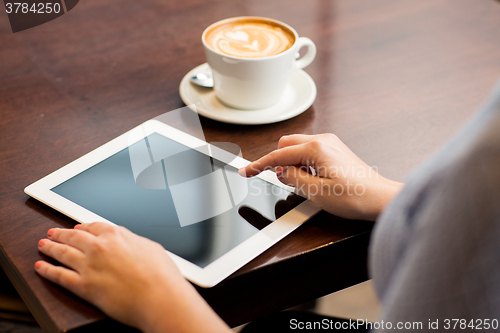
434 254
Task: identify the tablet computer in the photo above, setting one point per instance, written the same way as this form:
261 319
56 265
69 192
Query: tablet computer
181 192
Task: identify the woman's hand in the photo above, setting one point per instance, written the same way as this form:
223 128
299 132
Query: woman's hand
325 170
130 278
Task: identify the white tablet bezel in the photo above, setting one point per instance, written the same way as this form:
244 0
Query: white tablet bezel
217 270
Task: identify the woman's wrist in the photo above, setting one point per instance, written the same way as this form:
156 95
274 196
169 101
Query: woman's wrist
184 311
388 192
159 313
380 195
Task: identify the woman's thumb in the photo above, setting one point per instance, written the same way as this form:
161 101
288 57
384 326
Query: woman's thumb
305 183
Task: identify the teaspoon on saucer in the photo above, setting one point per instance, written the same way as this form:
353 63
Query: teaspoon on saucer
203 80
300 92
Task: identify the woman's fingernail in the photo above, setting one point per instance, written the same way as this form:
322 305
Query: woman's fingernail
50 232
38 264
279 172
42 242
242 172
77 226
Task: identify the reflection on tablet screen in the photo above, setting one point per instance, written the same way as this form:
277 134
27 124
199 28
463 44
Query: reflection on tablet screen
195 206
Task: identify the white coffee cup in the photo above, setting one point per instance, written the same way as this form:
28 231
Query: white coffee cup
255 83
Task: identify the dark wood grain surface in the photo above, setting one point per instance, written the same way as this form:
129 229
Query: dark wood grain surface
395 79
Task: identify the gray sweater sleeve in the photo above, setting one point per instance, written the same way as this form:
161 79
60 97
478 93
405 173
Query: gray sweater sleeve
435 251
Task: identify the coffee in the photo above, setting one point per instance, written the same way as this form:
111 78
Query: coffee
249 38
252 58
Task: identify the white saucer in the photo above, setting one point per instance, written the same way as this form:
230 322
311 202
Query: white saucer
300 93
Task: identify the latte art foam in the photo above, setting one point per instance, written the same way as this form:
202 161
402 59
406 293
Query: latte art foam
249 39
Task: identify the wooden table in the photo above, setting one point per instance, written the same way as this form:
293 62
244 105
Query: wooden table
395 79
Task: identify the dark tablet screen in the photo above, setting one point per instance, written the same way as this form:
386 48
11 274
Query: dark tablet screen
195 206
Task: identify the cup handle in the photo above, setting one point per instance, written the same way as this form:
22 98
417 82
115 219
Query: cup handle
309 56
